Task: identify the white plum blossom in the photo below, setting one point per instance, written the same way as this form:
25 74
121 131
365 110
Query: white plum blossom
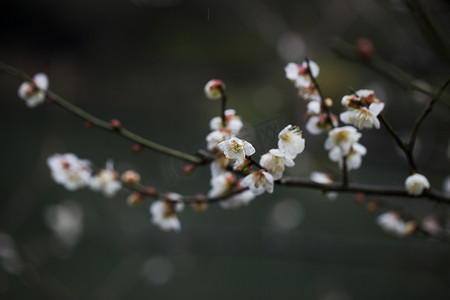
392 223
213 89
221 184
236 149
238 200
34 92
354 158
416 183
342 137
258 182
274 162
323 178
69 171
299 73
106 181
214 138
363 117
164 214
314 107
290 141
233 123
363 109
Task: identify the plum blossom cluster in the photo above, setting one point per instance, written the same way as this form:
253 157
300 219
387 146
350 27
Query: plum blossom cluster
363 109
318 119
33 93
74 173
342 142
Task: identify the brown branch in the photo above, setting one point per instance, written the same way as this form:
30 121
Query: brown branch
369 189
101 123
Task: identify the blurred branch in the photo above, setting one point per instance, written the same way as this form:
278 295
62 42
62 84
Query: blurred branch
101 123
369 189
421 118
425 21
349 52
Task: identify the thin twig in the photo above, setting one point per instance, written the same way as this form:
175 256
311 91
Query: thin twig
103 124
426 111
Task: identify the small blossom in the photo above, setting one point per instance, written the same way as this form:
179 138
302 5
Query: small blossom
236 149
238 200
233 123
134 199
360 98
416 183
164 214
130 177
323 178
354 158
106 181
274 162
214 88
363 117
222 184
290 141
391 222
314 107
214 138
69 170
343 137
258 182
34 92
299 73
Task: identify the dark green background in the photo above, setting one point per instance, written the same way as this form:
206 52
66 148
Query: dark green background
145 62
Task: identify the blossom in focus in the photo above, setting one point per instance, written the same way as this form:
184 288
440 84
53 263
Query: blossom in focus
342 137
363 108
69 171
363 117
416 183
391 222
354 158
164 214
34 92
214 88
290 141
258 182
274 162
236 149
238 200
106 181
233 123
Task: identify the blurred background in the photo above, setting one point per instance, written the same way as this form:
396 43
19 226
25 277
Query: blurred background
145 62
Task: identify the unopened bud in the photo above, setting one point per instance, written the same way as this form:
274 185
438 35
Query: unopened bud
136 148
365 47
372 207
188 169
214 89
200 206
359 197
115 124
328 102
410 227
131 177
151 191
134 199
